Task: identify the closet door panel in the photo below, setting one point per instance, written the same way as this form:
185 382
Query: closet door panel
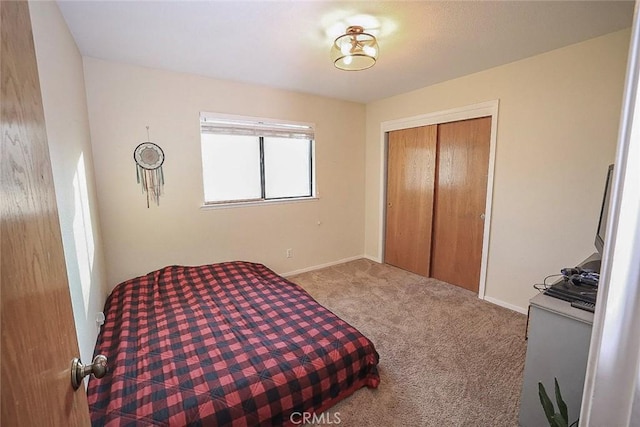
461 189
410 181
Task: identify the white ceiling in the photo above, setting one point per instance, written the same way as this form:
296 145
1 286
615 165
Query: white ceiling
285 44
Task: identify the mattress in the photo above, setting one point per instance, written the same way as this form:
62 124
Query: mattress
229 344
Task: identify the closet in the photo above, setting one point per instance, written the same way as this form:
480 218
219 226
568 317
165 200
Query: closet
435 200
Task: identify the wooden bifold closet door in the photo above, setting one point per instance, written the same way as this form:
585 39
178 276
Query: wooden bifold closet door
410 177
461 193
436 196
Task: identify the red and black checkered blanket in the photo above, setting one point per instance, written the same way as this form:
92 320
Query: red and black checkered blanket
223 344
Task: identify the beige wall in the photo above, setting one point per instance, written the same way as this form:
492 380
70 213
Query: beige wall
557 132
67 124
123 99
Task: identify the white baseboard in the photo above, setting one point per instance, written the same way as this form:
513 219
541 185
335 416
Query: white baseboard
372 258
505 305
318 267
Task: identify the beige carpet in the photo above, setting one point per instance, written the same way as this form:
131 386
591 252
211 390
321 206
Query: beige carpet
446 357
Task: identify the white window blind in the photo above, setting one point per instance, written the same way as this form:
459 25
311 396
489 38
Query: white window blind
229 125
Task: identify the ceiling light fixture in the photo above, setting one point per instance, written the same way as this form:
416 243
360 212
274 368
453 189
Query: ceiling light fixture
355 50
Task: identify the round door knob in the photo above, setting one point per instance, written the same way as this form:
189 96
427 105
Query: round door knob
78 371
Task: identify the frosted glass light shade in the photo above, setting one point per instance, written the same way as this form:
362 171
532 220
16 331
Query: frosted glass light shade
355 50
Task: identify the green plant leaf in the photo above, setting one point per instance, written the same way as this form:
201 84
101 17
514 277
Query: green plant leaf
559 420
547 405
561 405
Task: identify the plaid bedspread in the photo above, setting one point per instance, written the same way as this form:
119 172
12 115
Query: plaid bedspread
225 344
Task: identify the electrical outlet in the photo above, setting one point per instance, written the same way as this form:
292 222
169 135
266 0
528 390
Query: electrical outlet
289 253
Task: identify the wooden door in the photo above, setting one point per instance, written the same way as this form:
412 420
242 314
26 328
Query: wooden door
461 192
38 333
410 178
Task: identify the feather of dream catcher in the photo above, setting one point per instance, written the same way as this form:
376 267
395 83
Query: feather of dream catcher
149 158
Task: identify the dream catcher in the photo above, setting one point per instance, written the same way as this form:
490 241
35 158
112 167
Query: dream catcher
149 158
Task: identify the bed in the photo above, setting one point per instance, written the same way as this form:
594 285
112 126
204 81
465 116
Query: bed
229 344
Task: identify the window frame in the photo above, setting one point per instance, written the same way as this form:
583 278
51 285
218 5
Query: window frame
255 124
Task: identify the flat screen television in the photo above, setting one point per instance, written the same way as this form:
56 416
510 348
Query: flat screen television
604 212
569 290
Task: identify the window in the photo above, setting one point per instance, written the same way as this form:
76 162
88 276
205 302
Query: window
245 159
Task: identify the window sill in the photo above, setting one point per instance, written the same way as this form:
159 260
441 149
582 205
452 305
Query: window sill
258 203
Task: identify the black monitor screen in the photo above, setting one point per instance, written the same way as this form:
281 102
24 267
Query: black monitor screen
604 212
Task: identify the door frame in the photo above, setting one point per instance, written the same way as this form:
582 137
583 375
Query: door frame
483 109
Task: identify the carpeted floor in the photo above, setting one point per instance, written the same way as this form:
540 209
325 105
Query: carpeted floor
447 358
